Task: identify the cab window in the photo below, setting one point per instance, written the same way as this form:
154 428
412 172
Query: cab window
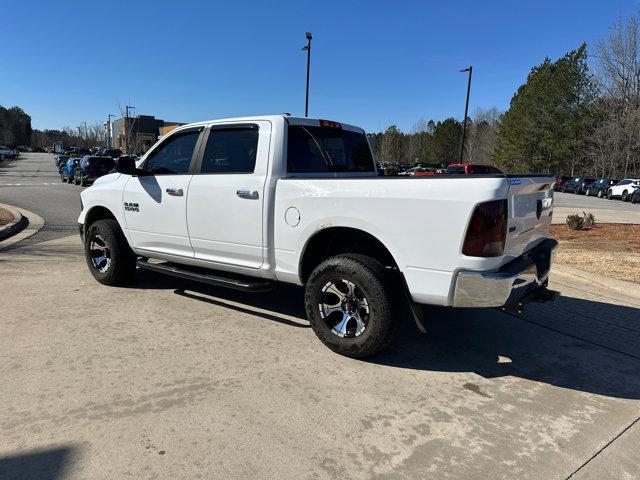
231 150
174 156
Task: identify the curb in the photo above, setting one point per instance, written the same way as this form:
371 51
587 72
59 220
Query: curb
19 222
33 223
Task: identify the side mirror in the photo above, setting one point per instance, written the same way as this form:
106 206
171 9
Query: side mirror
125 165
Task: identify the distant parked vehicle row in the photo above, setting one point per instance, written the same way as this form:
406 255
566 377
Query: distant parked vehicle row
454 169
625 190
85 170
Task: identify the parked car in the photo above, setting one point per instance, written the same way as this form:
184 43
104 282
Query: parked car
577 185
60 161
8 153
110 152
472 169
68 169
333 225
560 181
77 152
418 171
623 189
599 187
91 167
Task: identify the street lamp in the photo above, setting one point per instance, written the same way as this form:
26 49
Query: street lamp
307 47
109 130
466 110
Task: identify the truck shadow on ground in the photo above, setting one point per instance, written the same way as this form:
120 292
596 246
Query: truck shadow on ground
49 464
487 342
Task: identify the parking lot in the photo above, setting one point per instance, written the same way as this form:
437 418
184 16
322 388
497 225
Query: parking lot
169 378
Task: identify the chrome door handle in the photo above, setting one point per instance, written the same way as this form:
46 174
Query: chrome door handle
176 192
248 194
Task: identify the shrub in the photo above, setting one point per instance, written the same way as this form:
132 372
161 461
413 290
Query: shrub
391 171
575 222
589 220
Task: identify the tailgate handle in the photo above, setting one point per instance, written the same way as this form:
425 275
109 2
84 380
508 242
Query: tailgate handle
248 194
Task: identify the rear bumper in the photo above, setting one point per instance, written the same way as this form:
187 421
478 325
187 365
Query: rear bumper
506 286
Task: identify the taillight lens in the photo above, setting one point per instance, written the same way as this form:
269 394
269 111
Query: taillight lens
487 230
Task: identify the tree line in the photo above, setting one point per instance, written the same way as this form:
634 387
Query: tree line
16 130
568 118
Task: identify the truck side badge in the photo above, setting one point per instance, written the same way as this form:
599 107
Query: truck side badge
131 207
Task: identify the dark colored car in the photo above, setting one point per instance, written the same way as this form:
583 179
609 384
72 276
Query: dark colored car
67 169
635 196
90 168
472 169
599 187
577 185
110 152
560 181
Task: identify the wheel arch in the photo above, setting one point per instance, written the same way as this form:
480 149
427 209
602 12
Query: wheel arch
335 240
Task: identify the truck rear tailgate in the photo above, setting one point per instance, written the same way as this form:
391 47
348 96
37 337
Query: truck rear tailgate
530 206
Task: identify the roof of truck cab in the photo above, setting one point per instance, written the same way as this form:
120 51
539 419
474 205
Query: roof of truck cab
273 118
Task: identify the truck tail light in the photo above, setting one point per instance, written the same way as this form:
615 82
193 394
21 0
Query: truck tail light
487 230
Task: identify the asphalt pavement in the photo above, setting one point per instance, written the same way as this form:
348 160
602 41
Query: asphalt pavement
32 182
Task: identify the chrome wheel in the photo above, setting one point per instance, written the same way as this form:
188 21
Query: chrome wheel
100 254
344 308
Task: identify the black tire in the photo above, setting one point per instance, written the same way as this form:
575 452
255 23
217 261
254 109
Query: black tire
609 195
83 182
625 196
122 262
587 192
600 193
372 282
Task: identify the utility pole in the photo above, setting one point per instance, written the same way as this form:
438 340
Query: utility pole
307 47
466 110
127 128
85 133
109 130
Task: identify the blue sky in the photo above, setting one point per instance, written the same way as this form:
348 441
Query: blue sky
374 63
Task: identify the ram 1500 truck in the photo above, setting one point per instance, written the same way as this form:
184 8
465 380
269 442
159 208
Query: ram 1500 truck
249 202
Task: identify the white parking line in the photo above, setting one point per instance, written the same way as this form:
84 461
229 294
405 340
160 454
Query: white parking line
28 184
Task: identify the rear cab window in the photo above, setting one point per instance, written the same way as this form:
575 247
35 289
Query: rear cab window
328 149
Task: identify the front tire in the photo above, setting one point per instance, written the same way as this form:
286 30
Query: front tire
110 260
600 193
349 303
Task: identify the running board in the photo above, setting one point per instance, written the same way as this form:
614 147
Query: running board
235 282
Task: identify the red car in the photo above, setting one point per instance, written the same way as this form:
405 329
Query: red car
472 169
560 181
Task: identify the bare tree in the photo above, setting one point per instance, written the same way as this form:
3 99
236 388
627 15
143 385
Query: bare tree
482 136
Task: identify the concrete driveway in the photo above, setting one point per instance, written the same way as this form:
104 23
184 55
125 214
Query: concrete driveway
168 379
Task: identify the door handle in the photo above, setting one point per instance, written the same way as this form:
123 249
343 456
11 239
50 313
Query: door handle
176 192
248 194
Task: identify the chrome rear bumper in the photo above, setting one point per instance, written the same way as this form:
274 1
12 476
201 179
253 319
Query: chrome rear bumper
510 283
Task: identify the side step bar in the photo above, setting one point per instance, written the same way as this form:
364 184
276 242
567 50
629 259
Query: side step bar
246 284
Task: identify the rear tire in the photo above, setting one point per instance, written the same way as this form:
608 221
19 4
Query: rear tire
625 196
110 260
600 193
349 303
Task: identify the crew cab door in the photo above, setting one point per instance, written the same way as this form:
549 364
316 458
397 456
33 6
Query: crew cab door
155 204
226 195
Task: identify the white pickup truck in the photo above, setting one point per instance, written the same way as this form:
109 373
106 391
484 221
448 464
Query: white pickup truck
249 202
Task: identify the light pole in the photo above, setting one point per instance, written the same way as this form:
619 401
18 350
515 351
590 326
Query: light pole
307 47
85 133
127 128
109 130
466 110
